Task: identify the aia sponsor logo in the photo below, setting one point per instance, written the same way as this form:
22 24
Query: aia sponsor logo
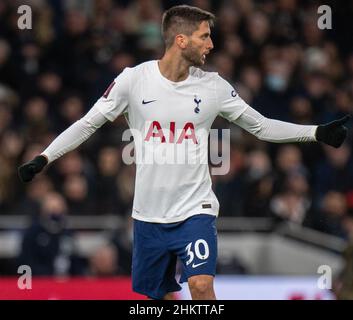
155 131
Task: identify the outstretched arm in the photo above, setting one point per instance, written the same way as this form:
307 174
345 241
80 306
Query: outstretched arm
235 109
113 102
274 130
271 130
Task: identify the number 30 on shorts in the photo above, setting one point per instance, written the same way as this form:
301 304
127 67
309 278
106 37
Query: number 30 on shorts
198 248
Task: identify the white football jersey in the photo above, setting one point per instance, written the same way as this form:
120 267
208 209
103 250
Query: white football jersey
168 121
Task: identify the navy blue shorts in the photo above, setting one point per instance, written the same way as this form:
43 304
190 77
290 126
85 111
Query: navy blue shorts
158 245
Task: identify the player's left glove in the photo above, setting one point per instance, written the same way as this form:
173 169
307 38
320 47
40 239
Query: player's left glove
333 133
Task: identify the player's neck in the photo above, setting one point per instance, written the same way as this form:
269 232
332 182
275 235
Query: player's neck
173 67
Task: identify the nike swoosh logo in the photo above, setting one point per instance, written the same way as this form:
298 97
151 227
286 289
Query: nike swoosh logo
146 102
198 264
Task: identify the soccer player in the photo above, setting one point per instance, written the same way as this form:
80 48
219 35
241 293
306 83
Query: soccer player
169 101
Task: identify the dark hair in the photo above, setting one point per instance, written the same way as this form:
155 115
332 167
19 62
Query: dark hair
183 19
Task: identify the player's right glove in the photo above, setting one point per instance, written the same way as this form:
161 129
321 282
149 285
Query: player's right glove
333 133
28 170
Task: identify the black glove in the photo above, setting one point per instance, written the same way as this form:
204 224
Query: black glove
333 133
28 170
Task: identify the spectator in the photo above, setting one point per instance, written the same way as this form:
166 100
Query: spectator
107 191
343 284
293 203
259 188
104 262
288 160
75 189
331 215
47 246
335 172
122 240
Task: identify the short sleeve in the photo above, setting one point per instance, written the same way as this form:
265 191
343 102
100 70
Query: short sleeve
231 106
115 99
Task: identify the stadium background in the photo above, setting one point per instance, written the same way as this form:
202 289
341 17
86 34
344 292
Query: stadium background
285 209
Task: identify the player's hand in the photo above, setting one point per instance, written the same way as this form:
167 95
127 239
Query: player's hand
28 170
333 133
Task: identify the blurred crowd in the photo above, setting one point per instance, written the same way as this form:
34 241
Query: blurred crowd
281 63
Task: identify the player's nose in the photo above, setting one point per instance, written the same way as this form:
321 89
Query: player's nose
210 45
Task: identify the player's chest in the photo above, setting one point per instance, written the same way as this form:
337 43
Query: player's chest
153 103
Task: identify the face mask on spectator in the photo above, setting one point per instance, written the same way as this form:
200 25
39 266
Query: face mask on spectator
276 82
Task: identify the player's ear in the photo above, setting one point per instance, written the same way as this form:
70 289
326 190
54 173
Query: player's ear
181 40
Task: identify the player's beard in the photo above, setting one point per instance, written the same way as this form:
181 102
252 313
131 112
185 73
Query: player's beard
192 56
